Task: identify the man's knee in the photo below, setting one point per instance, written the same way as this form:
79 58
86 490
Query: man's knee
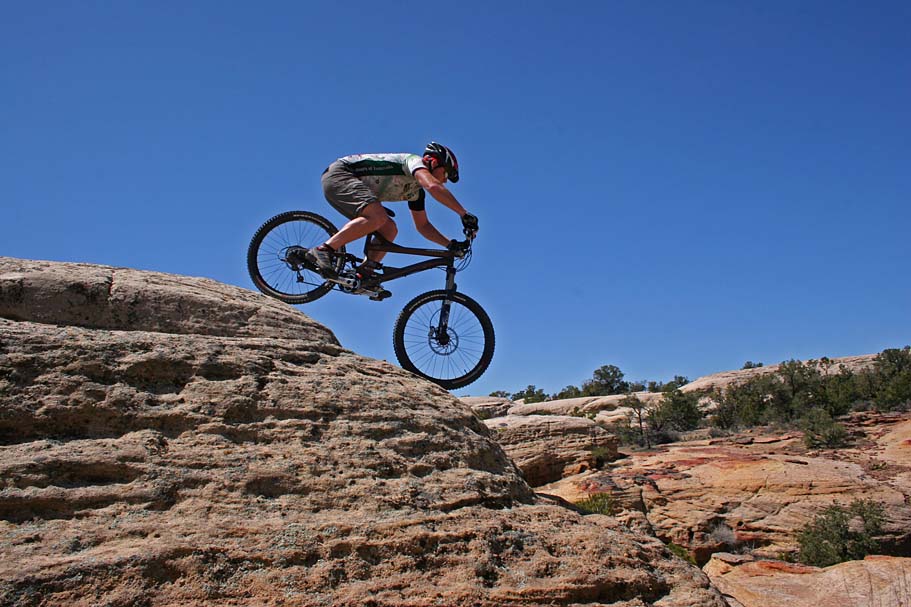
375 214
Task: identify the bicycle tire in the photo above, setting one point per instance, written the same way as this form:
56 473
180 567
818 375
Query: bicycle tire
448 366
270 271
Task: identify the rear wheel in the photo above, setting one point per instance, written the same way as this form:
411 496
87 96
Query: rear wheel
275 258
444 336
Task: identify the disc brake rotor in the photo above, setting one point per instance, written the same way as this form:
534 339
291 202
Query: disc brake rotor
443 345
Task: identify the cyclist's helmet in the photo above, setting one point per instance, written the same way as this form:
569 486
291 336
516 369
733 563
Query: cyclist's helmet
445 158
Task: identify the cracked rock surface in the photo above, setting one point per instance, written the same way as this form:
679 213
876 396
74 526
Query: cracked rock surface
758 489
171 440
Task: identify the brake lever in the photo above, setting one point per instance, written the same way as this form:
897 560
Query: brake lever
468 244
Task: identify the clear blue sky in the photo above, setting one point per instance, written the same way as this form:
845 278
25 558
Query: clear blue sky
670 187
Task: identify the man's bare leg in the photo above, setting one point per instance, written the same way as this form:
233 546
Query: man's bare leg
373 218
388 231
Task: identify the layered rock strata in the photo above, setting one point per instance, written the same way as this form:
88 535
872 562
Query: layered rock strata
757 491
547 448
879 581
167 440
486 407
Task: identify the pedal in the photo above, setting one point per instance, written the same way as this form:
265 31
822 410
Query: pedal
380 295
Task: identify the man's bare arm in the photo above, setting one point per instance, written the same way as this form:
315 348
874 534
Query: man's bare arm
439 191
427 229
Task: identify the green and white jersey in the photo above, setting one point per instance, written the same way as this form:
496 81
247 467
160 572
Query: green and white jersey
389 176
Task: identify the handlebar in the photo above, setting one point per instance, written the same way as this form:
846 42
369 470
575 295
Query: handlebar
460 248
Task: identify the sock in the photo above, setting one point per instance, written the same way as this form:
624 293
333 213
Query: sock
325 247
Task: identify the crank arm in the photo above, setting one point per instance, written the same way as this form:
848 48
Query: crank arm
348 283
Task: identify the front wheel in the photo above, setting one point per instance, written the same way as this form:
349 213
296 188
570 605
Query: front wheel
276 261
444 336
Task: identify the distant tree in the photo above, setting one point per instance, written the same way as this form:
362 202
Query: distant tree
606 380
802 389
839 390
813 394
639 415
751 365
677 382
746 405
568 392
891 376
636 386
530 394
659 386
500 394
676 411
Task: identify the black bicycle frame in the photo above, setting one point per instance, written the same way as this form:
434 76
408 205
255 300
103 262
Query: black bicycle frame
442 258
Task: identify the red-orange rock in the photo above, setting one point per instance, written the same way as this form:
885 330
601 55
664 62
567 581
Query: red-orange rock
713 495
879 581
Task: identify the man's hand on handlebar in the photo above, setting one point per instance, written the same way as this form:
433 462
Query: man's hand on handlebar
459 247
470 225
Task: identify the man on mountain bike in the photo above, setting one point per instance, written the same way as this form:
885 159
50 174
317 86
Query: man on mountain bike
356 186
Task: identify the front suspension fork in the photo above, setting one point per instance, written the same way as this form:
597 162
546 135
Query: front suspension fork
442 328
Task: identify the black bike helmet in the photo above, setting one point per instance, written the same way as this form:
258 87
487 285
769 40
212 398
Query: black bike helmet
445 158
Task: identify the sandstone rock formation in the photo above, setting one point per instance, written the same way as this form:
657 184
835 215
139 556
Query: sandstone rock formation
611 407
486 407
756 491
549 447
876 581
581 405
100 297
167 440
725 379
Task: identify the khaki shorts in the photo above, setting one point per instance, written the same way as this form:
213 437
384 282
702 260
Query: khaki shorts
346 193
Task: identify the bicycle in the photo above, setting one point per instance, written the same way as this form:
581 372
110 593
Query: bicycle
443 335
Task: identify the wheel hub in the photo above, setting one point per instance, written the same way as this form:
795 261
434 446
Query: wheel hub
444 343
